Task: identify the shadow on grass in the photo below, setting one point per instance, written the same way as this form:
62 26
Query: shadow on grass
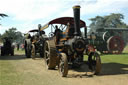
114 69
15 57
107 69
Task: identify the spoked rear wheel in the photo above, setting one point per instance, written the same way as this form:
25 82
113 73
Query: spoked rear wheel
94 62
49 56
63 66
28 48
33 52
115 44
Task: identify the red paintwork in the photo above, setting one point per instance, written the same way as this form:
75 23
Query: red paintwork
65 20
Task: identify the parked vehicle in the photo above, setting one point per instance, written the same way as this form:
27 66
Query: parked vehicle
7 48
109 40
34 43
66 45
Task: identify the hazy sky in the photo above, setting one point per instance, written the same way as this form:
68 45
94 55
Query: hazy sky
27 14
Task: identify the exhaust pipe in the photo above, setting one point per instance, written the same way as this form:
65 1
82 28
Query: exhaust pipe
76 10
39 28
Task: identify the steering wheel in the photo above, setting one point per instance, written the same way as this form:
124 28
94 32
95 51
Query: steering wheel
51 34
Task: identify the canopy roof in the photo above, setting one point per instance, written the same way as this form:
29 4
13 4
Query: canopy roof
63 21
34 30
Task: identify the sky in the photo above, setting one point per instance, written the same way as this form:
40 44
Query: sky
27 14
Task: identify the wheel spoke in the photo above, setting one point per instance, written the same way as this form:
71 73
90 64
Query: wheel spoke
47 59
95 63
47 52
63 66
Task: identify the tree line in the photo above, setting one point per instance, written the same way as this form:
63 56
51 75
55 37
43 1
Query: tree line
109 21
16 36
114 20
11 32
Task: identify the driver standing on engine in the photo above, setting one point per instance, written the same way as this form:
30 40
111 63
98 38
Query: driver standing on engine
57 33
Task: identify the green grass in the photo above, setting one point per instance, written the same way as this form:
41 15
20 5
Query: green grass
12 72
20 51
114 64
8 74
125 49
114 58
106 58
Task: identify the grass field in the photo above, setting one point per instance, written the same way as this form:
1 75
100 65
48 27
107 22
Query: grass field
20 52
17 70
117 58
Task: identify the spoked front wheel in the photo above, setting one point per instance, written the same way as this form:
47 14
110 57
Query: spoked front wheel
63 65
94 62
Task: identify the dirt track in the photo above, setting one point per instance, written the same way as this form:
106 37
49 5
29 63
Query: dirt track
33 72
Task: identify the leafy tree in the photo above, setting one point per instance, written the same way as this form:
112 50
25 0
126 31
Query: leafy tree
0 38
19 38
16 35
10 33
110 21
3 15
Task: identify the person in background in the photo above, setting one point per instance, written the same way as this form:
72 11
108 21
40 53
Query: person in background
18 46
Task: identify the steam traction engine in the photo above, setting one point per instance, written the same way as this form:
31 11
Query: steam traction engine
34 43
7 47
66 45
109 40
